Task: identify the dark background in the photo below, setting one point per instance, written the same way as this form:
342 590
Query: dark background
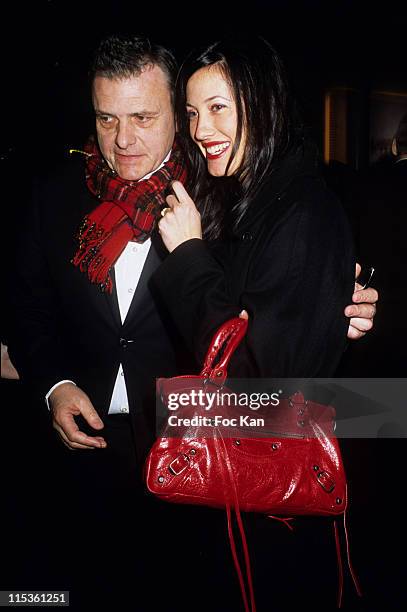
46 48
48 44
46 110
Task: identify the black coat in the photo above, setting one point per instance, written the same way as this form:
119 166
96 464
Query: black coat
67 328
291 266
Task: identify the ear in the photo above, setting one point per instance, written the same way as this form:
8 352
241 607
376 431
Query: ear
394 147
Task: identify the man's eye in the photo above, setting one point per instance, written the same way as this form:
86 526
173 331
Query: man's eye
143 118
105 119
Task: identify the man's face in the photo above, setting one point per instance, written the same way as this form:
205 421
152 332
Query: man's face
134 121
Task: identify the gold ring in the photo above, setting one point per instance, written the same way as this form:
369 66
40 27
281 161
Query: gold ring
164 211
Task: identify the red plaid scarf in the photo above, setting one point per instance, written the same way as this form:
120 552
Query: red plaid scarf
128 211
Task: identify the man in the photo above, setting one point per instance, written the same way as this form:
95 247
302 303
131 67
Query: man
90 335
381 194
101 344
92 353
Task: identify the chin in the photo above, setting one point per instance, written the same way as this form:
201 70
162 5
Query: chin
217 171
130 174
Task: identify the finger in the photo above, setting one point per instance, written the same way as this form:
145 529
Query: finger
366 311
165 223
355 334
358 269
74 446
360 324
162 225
171 201
369 295
182 194
71 445
73 433
91 416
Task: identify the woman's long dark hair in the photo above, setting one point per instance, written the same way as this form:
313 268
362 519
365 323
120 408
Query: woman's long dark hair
258 82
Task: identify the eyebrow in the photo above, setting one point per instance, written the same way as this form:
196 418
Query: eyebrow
210 99
140 112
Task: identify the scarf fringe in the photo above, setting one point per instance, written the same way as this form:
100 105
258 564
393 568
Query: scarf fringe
127 211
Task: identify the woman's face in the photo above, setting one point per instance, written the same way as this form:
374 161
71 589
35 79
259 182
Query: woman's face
213 119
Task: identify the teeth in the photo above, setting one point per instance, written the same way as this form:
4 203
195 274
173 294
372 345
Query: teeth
217 148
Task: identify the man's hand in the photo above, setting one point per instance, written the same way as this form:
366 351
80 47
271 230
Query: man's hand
67 401
7 368
363 309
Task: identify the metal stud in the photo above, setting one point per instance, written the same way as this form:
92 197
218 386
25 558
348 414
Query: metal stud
338 500
192 451
274 446
316 468
161 479
237 442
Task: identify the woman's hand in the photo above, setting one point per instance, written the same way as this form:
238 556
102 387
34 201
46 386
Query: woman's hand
181 221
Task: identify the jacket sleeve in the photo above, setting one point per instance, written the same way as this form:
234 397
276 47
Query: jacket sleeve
298 283
34 341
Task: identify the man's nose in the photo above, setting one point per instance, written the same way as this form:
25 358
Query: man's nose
125 135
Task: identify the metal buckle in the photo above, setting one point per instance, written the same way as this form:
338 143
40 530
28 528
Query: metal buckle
178 461
326 481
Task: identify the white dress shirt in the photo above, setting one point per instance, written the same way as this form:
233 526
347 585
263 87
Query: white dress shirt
127 271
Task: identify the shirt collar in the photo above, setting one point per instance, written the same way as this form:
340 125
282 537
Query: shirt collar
147 176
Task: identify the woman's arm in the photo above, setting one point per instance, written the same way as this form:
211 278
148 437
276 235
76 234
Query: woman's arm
295 294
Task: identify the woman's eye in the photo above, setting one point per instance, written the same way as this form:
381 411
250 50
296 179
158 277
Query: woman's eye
217 107
191 113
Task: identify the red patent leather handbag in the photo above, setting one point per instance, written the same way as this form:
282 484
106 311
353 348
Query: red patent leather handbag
295 469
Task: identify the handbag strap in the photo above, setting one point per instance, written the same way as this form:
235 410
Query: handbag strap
232 502
223 345
340 565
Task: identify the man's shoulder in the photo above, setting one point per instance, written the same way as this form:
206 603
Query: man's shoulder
63 186
65 174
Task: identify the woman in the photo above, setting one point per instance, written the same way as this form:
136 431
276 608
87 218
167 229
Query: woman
277 243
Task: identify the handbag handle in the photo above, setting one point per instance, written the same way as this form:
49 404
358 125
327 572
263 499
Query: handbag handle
228 336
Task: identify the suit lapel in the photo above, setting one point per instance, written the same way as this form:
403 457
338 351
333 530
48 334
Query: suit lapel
113 302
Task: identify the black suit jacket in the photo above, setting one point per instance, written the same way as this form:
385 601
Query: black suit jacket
381 205
67 328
